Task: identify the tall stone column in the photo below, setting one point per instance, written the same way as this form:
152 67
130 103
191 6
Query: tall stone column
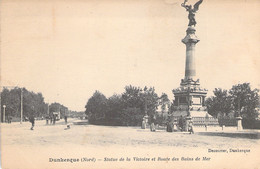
190 97
190 41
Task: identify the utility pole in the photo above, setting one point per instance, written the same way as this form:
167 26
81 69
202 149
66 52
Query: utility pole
0 104
239 118
48 109
4 113
21 106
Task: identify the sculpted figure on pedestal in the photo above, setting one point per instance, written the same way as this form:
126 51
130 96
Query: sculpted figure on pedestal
192 11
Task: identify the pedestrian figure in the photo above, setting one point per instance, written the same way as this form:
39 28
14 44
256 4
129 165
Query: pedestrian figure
169 127
54 119
190 128
68 127
181 123
65 118
175 123
9 119
143 124
152 126
51 119
47 120
32 120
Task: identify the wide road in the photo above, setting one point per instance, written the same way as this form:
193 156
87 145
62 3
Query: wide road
103 146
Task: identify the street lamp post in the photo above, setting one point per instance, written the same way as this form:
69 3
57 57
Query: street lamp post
145 118
188 118
48 114
48 109
239 118
4 106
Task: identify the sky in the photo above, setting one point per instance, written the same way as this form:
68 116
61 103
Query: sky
68 49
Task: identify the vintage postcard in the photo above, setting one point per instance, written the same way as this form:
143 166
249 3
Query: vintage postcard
129 84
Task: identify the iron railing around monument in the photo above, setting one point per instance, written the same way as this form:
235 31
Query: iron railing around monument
205 121
226 121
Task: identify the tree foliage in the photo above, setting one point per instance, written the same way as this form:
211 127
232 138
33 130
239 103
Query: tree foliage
164 102
240 98
96 107
131 116
220 103
127 108
115 105
57 107
33 103
135 97
11 99
245 100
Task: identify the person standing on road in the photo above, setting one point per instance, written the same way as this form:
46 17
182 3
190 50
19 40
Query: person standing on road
51 119
47 119
32 120
54 119
66 118
10 119
181 123
152 126
190 128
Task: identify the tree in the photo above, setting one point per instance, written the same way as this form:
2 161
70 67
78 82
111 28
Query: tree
164 102
96 107
115 106
132 97
240 99
125 109
220 103
151 98
57 107
33 103
12 100
135 97
245 100
131 116
136 100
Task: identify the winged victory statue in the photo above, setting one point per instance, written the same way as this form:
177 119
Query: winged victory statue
192 11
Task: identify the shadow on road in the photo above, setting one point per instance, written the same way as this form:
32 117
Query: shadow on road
251 135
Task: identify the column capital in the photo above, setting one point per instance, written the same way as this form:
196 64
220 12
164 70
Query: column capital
190 36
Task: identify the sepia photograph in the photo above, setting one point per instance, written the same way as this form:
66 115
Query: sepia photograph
129 84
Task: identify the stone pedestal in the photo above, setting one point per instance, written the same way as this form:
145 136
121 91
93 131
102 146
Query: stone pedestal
239 123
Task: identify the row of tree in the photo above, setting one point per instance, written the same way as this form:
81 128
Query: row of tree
33 104
127 108
239 100
130 107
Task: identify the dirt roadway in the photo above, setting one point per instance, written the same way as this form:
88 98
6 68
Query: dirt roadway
23 148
